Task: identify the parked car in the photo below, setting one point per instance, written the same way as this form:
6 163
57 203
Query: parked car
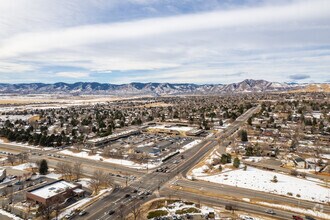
111 212
295 217
309 217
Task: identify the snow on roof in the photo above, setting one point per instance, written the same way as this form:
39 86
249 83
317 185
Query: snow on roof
127 132
78 191
52 189
2 170
25 166
175 128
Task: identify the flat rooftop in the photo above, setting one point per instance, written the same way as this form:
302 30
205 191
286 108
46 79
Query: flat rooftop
52 189
127 132
170 127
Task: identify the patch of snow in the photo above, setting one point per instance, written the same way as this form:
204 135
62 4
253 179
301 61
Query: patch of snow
179 205
6 180
15 117
123 162
80 203
325 156
84 182
25 166
255 159
246 199
74 207
248 217
9 215
190 145
54 176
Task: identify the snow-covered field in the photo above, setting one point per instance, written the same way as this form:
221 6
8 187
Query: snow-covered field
98 157
179 205
15 117
257 179
256 159
325 156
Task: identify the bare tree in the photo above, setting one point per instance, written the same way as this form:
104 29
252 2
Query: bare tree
77 170
136 211
99 179
10 196
93 151
60 168
23 157
107 152
79 147
65 169
11 159
68 170
121 211
45 211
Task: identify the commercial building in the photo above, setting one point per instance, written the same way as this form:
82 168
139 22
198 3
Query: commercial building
96 142
55 192
174 130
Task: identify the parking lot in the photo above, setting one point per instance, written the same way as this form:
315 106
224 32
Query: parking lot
157 146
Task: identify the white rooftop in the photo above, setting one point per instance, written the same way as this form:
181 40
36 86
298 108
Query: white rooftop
78 191
53 189
169 127
112 136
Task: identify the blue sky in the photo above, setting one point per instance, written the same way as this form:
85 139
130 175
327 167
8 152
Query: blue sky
193 41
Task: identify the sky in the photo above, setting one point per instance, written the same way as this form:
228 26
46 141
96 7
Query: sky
186 41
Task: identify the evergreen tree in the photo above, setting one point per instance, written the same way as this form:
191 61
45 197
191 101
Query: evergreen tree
236 163
43 167
244 136
250 121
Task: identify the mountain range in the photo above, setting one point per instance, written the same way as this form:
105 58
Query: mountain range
156 89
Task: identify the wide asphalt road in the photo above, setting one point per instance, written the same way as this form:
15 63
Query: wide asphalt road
236 192
152 181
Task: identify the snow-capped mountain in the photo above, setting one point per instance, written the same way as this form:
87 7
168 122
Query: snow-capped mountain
158 89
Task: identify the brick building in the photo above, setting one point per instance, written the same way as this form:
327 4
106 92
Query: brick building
57 191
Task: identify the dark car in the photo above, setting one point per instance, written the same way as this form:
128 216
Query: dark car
295 217
127 195
111 212
309 218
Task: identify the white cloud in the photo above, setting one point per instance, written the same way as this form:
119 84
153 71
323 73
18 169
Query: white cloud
92 34
270 42
75 75
6 66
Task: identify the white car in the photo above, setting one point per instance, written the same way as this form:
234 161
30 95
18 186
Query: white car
270 211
